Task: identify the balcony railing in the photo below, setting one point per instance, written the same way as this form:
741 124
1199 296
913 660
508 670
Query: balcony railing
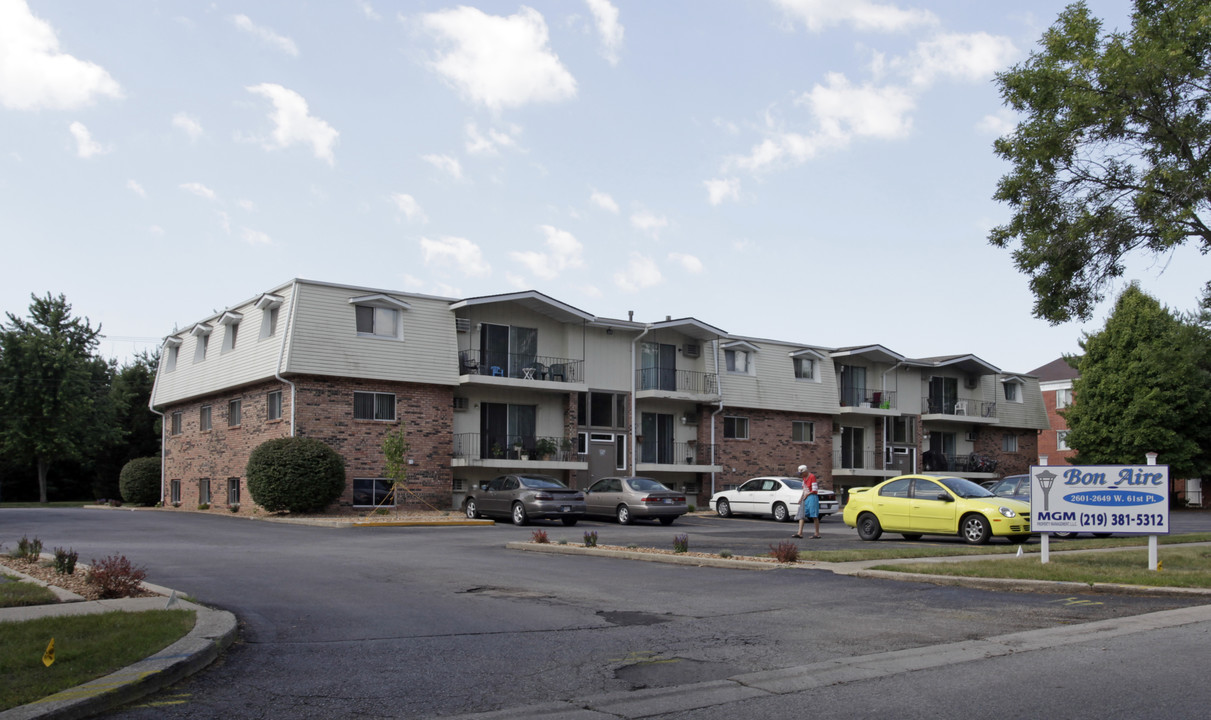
863 397
855 460
487 446
969 462
520 366
682 453
970 407
687 381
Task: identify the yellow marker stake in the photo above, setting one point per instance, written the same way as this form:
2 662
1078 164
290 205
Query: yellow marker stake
1160 565
48 657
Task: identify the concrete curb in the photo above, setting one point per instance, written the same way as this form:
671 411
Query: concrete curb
696 561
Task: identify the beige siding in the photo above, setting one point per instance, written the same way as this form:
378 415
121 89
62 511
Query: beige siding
326 342
608 360
1029 413
252 360
773 385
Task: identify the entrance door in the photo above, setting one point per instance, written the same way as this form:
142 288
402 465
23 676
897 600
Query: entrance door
943 392
852 443
503 427
658 367
853 385
603 453
657 447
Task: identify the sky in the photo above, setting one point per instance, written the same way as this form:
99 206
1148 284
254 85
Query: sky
813 171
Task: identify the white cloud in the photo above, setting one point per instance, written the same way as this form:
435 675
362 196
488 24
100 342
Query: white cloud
641 272
189 125
863 15
456 253
293 123
368 10
449 165
136 188
649 223
479 144
591 291
998 125
35 75
245 205
271 38
605 15
499 62
721 189
409 207
200 190
604 201
970 57
563 251
86 147
225 222
156 230
690 263
255 237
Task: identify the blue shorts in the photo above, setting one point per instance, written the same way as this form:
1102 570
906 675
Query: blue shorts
811 507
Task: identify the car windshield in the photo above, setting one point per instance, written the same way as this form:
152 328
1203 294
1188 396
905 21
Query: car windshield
540 481
643 484
964 488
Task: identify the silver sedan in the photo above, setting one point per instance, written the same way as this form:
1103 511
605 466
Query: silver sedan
522 498
634 498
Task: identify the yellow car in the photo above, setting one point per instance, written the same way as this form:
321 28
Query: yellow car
916 505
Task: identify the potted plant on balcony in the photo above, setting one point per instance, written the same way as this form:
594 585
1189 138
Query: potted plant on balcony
545 448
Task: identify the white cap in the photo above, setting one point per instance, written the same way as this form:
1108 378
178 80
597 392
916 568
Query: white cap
802 469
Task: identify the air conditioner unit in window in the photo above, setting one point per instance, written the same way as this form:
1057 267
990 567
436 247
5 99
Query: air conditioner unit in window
971 382
462 325
972 435
691 350
461 403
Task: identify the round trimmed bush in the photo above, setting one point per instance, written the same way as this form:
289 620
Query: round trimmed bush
139 481
297 474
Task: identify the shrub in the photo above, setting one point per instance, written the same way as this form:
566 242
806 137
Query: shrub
681 543
234 508
725 553
590 539
203 506
139 481
540 537
785 552
115 577
65 561
296 474
28 550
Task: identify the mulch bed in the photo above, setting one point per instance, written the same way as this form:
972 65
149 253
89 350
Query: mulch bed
76 582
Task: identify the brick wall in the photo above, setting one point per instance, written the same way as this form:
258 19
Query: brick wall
990 442
1047 440
768 449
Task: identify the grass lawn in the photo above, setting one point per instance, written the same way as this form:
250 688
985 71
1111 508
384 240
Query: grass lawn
1188 567
890 551
86 647
21 594
55 504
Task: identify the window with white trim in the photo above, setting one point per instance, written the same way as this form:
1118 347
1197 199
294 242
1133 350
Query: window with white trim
269 321
803 431
231 330
204 491
738 361
1061 440
1009 443
233 491
1063 398
204 418
374 321
373 406
170 357
273 405
735 428
373 492
233 413
199 350
176 422
805 368
174 491
1013 391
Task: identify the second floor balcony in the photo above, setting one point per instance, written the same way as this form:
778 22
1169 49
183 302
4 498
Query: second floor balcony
669 382
678 455
967 409
501 450
476 364
867 400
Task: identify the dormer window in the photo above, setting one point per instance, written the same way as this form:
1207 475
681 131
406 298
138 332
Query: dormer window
201 334
379 316
268 305
806 364
172 349
231 328
1012 388
739 358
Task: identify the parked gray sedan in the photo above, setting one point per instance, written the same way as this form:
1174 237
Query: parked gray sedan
525 497
634 498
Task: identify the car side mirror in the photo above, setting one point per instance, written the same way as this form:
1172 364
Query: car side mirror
945 497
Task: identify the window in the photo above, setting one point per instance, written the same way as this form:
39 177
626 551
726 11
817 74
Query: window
176 423
204 418
600 409
199 351
902 430
803 431
1063 398
204 491
1009 443
174 491
170 357
373 406
273 405
231 324
1011 392
735 428
1061 440
737 361
372 492
269 321
233 413
233 491
805 368
377 321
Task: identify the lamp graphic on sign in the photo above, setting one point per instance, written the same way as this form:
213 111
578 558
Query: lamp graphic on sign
1046 480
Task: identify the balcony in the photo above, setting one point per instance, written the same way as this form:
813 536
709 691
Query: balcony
518 369
968 464
863 401
516 451
676 384
864 463
676 457
964 409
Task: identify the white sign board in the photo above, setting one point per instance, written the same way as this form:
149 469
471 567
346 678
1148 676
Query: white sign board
1100 498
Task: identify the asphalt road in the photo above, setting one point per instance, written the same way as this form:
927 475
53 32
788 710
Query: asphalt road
423 622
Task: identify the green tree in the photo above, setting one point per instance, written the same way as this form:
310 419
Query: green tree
1111 154
53 388
129 393
1145 386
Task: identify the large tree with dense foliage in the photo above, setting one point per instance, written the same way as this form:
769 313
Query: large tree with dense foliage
1113 151
1145 386
54 389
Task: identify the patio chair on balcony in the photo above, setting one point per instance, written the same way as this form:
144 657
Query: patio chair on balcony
960 407
467 365
557 370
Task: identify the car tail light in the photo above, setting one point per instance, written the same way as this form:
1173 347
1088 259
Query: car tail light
543 496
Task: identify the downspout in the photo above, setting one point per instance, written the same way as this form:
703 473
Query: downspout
277 373
151 406
718 382
634 418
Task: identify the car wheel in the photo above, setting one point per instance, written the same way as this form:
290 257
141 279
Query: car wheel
519 514
471 509
723 508
974 529
869 527
570 521
1018 539
1101 535
667 520
911 536
780 513
623 513
1063 535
